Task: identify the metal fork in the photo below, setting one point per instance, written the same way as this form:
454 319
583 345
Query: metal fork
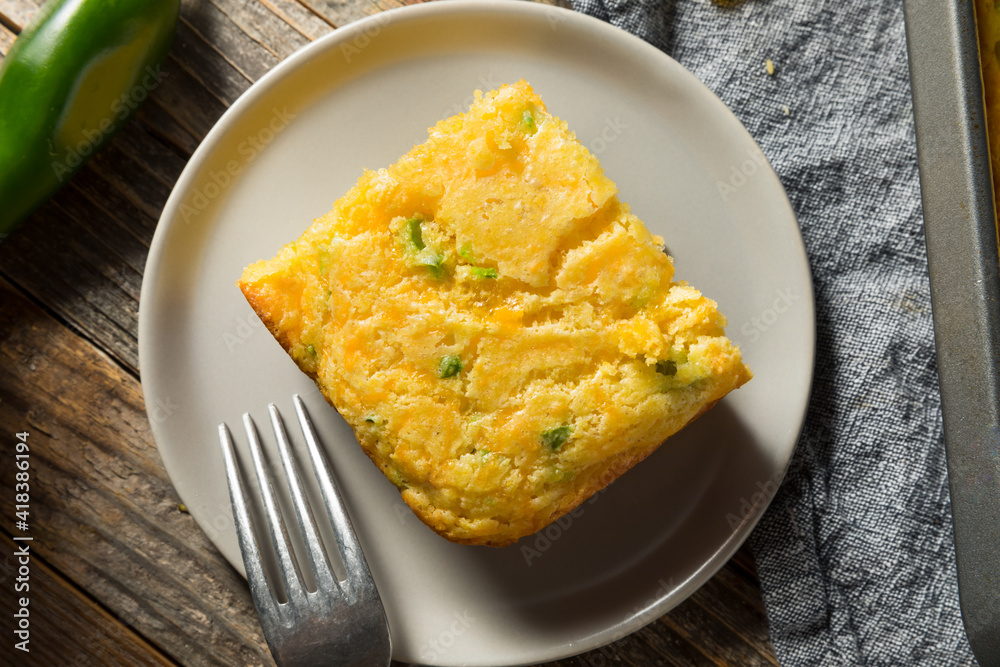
341 622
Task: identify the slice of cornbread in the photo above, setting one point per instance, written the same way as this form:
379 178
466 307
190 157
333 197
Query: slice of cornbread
499 330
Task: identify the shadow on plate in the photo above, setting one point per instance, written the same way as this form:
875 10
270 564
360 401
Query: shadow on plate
643 539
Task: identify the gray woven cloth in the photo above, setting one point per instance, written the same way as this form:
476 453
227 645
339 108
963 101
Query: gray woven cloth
855 554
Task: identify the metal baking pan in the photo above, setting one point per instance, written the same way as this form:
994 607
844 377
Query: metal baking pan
964 260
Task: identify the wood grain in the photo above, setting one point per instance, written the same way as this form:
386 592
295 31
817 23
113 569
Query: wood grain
18 12
6 40
132 577
300 17
342 12
261 25
103 510
87 633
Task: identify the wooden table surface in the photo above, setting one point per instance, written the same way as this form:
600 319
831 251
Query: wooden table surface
118 573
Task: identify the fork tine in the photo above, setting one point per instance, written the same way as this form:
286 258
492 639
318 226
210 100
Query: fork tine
244 528
325 579
347 539
342 622
287 568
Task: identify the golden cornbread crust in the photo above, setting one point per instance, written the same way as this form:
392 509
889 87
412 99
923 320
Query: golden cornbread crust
501 333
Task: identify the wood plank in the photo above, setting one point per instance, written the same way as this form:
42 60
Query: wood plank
342 12
136 222
300 17
635 650
744 559
111 249
6 40
203 64
158 122
65 626
132 178
145 183
103 511
85 264
84 259
673 647
19 12
712 637
734 576
220 33
83 252
146 152
264 26
64 264
729 608
187 99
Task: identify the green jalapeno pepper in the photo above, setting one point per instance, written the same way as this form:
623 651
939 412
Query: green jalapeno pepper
73 78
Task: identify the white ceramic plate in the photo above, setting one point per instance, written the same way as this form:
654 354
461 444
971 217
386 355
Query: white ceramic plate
360 98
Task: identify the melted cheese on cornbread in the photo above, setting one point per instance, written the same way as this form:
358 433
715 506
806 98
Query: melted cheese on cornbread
502 334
